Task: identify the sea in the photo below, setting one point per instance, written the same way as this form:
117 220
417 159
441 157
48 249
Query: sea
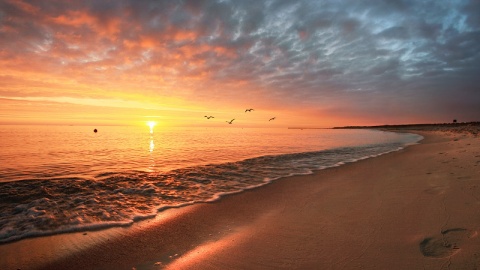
58 179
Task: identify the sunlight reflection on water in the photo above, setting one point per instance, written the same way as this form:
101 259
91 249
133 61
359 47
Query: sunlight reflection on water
41 152
73 179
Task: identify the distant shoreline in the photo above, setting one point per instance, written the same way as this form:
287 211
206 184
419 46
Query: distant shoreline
415 126
401 126
472 128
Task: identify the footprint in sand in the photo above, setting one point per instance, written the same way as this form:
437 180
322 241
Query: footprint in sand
447 244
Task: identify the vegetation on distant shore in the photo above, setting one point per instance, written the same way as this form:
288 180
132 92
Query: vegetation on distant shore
464 127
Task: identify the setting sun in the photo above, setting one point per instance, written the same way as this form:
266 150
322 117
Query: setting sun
151 124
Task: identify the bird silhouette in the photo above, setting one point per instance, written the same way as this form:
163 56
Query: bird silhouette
208 117
249 110
230 122
273 118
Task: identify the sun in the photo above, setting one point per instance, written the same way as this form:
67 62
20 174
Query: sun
151 124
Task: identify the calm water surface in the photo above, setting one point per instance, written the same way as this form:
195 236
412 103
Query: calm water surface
66 178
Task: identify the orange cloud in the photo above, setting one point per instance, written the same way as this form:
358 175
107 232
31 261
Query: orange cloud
25 7
76 19
129 44
146 42
108 27
184 35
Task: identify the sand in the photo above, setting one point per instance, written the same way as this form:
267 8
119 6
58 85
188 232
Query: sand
418 208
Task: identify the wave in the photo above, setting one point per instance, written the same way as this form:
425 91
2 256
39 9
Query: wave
43 207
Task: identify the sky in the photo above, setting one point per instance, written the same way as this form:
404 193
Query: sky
309 63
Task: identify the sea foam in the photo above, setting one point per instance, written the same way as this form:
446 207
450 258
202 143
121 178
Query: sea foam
118 198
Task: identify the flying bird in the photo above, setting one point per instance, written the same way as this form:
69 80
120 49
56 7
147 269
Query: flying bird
230 122
208 117
273 118
248 110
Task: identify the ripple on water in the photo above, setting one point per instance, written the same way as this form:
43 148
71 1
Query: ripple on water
40 207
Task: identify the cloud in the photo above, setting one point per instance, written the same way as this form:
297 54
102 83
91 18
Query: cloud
356 55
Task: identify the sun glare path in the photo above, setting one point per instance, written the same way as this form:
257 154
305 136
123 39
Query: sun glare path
151 124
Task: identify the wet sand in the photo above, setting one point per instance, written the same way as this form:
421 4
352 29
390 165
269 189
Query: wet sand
418 208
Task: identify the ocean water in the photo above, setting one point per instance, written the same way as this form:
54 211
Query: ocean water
56 179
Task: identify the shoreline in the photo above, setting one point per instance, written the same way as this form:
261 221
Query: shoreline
49 207
407 200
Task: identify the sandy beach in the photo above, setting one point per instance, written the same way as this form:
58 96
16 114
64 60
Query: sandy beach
417 208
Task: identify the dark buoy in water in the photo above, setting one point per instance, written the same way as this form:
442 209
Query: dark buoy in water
95 130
